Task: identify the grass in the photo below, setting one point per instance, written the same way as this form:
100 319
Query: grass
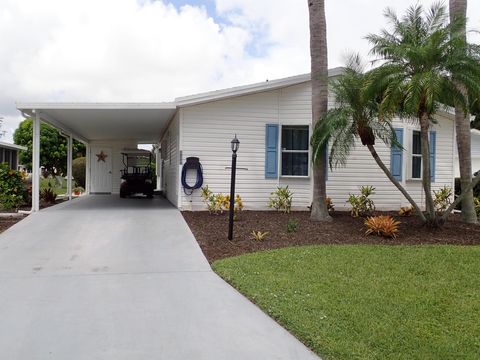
44 183
368 302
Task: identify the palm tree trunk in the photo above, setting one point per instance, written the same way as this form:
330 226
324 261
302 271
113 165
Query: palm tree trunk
426 178
458 10
319 74
452 206
395 182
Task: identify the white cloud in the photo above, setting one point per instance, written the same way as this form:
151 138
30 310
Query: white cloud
139 50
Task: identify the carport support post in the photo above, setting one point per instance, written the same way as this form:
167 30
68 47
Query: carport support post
36 162
87 169
69 166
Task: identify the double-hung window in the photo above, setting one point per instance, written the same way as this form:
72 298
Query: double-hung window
416 155
295 153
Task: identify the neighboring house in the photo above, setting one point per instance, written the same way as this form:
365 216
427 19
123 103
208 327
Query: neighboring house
9 154
272 120
475 153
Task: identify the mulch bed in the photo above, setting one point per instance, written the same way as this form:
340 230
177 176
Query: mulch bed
211 232
6 222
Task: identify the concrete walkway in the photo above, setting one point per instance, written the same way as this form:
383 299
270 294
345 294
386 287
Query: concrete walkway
109 278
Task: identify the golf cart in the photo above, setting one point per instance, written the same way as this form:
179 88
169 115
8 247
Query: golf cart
137 173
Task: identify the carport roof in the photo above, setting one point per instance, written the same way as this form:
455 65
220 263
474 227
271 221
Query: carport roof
142 122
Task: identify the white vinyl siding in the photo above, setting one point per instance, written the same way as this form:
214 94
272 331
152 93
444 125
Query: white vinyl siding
170 158
207 129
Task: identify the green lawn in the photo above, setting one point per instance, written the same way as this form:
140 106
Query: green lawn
369 302
44 183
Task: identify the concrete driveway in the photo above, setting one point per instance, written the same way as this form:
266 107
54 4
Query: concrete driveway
109 278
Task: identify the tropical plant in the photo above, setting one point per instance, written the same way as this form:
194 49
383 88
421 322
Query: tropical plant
12 187
442 198
423 63
355 117
405 211
48 195
319 82
281 199
382 225
477 206
362 204
258 235
218 203
458 13
292 225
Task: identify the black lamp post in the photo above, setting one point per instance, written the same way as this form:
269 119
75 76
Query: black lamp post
235 144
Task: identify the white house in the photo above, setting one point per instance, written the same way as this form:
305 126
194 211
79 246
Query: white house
475 150
272 120
9 154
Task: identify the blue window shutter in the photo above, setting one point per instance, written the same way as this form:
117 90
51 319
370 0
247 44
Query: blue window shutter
433 147
271 151
396 157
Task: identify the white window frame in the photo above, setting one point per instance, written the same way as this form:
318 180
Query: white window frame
412 155
282 150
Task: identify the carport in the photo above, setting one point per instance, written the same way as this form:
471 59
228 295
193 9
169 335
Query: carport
93 123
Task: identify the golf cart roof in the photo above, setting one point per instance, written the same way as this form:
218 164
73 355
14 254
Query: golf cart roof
136 152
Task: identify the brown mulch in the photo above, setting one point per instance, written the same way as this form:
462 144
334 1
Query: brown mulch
211 232
6 222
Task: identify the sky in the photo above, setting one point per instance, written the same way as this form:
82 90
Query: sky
153 51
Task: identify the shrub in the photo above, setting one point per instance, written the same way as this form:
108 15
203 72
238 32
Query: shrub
218 203
281 199
476 191
12 187
477 206
442 198
405 211
382 225
78 171
258 235
362 204
292 225
48 195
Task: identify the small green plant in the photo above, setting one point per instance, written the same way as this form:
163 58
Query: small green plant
382 225
258 235
362 204
292 225
77 190
442 199
12 187
281 199
48 195
477 206
218 203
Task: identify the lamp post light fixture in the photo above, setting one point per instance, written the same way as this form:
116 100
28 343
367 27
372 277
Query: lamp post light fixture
235 143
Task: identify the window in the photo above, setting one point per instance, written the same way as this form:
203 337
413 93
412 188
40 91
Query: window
416 155
295 150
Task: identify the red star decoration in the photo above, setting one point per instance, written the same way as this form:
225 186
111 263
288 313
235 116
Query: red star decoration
102 156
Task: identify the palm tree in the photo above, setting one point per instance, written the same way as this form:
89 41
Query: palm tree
420 60
319 75
458 12
355 117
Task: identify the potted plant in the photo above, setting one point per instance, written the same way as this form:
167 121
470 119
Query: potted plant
78 190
